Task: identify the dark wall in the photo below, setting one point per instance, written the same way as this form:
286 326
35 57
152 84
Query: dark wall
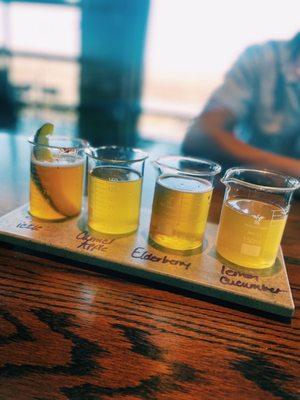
113 38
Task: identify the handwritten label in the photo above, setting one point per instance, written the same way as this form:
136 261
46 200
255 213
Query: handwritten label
142 254
231 277
27 225
91 244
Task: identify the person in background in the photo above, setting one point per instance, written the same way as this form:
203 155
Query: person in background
253 118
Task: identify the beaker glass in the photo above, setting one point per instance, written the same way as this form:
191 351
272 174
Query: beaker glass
181 202
57 177
254 214
115 176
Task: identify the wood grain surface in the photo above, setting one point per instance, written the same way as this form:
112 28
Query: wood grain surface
68 332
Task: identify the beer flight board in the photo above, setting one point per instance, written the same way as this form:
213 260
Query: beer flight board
200 271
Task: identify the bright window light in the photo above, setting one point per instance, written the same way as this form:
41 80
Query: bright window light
192 43
44 29
2 25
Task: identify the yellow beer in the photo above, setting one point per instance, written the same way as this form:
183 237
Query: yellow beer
180 210
56 188
114 200
250 232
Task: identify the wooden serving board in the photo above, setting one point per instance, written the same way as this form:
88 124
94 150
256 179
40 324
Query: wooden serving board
201 272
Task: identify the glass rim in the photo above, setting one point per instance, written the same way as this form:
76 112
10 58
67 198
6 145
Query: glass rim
82 143
216 167
294 181
142 154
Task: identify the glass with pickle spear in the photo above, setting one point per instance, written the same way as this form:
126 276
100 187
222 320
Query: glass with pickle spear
56 175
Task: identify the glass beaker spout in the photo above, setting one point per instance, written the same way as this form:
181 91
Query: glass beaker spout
262 180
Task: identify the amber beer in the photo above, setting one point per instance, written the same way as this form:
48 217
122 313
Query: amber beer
114 200
180 211
56 188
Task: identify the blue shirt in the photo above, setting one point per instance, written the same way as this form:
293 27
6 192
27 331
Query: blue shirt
262 90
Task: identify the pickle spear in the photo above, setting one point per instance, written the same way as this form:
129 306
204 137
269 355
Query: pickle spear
41 138
42 153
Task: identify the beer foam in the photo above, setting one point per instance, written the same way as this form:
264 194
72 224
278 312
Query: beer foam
115 174
66 162
185 184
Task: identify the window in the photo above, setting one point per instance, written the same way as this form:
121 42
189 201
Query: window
191 43
44 29
2 24
44 43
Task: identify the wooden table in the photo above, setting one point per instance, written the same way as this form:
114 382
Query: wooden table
70 333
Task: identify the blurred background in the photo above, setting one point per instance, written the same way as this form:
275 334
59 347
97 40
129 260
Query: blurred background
130 72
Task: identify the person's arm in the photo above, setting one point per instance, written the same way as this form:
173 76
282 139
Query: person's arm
212 136
218 141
